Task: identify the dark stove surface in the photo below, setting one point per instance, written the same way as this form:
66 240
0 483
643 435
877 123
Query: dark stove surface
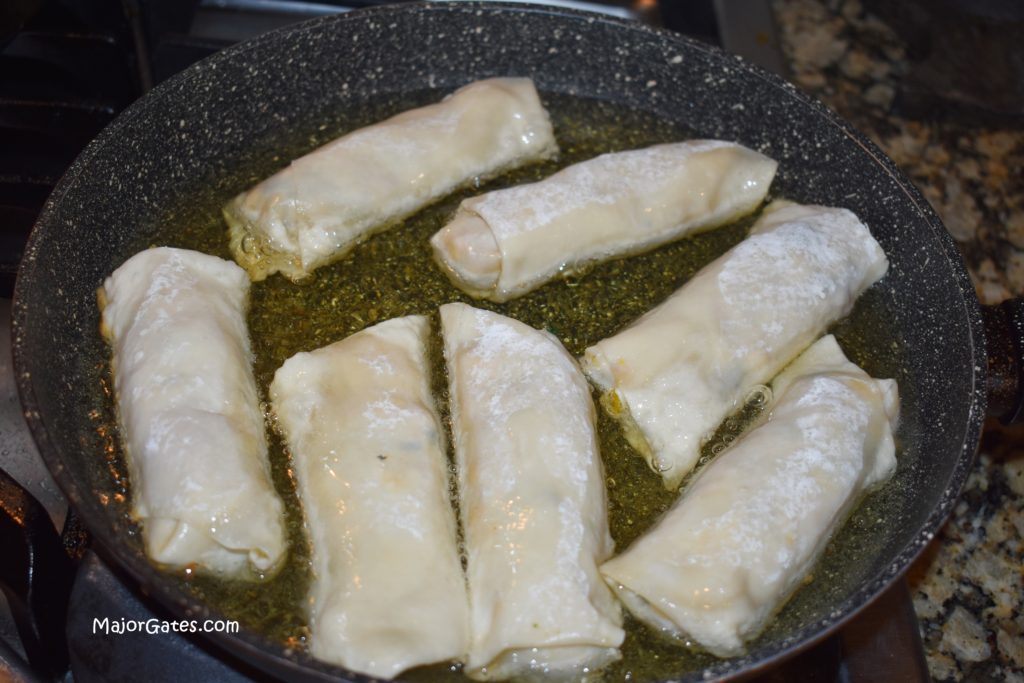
63 76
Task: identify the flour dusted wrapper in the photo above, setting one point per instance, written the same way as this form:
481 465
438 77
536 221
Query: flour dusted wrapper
675 373
367 448
505 243
319 207
747 530
192 424
532 501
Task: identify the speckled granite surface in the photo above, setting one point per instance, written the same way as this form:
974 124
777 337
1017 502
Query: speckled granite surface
968 587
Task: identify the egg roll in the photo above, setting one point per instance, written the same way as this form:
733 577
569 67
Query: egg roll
319 207
388 592
532 501
192 426
505 243
748 529
676 372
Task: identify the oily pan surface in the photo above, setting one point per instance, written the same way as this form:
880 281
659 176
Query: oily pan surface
160 173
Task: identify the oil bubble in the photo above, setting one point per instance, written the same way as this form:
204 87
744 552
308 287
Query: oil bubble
759 396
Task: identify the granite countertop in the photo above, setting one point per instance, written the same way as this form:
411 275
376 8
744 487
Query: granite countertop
968 587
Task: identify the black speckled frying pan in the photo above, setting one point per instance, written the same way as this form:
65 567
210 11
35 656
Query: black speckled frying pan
184 143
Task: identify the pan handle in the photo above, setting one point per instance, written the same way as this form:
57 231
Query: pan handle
1004 332
36 574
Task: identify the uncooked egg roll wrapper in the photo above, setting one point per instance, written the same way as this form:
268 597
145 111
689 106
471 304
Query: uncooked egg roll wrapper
673 375
748 529
366 443
191 421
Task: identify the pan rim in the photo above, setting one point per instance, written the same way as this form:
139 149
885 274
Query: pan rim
149 577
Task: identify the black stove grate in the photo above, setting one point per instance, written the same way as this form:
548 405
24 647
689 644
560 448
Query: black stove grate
63 77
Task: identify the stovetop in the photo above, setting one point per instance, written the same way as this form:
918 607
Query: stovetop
62 79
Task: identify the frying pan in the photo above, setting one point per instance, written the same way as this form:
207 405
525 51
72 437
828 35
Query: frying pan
182 145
